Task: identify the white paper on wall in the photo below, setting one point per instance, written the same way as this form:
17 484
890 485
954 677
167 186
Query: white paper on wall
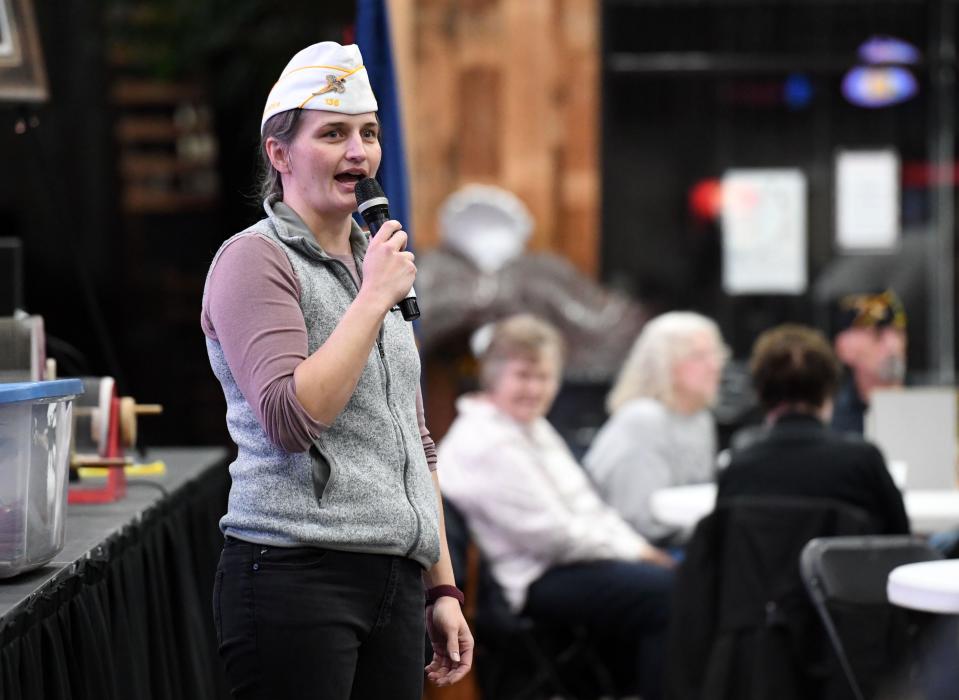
7 53
764 231
867 200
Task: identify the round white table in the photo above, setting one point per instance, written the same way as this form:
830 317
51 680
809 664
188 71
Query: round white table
684 506
932 586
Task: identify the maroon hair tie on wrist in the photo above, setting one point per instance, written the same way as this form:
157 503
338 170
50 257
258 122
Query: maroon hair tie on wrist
437 592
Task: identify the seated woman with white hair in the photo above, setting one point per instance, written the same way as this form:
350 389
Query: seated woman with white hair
660 432
559 552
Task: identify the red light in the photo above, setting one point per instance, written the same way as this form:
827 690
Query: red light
706 199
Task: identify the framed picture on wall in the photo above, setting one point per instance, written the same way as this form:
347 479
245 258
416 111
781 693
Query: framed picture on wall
22 77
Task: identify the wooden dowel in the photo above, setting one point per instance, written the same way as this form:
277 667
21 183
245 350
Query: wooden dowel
91 461
148 409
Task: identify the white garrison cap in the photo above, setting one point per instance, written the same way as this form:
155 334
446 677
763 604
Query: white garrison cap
324 76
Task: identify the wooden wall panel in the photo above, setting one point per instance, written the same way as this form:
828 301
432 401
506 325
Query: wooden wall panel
505 92
526 135
402 30
478 102
434 129
501 92
579 93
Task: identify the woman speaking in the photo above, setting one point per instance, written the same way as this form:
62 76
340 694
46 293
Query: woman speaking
332 524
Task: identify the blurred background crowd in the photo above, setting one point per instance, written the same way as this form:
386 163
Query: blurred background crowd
695 236
615 124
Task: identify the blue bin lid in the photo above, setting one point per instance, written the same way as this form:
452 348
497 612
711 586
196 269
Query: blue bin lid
31 391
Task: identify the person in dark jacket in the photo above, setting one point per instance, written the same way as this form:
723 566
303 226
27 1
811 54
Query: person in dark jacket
743 627
795 374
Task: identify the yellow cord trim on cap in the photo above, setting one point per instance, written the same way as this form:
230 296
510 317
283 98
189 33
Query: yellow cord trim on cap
348 71
326 88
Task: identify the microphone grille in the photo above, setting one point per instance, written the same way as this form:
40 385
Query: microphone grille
366 189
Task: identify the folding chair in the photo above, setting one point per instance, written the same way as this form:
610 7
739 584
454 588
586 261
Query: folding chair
853 571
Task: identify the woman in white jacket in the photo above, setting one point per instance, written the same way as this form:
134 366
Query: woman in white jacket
560 554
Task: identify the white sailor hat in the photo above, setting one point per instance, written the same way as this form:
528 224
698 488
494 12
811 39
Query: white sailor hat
324 76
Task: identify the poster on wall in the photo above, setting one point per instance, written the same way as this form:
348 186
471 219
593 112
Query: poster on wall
22 77
764 231
6 35
867 200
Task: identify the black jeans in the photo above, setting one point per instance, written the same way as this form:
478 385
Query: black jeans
305 622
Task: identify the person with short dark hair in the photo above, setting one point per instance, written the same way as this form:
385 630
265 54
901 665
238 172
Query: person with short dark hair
793 366
795 373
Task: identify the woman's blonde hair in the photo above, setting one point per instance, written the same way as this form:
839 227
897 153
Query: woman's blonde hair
519 336
648 370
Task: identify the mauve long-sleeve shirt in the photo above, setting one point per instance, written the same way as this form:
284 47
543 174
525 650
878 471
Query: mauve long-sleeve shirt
251 307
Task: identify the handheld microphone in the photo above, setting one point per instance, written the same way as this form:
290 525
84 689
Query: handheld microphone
374 207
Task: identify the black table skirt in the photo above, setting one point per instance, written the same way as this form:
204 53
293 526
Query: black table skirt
133 620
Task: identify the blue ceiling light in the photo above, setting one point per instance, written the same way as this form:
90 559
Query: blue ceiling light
886 80
874 87
885 50
797 91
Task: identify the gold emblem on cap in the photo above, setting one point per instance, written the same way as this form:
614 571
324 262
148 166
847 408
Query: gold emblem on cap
333 84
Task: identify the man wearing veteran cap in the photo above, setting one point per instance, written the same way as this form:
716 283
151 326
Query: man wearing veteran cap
332 528
871 343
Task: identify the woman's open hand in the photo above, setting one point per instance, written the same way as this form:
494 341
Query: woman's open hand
452 642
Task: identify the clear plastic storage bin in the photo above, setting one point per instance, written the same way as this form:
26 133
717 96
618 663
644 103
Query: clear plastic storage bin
35 426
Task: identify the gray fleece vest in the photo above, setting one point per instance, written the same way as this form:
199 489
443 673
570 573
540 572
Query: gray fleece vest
364 485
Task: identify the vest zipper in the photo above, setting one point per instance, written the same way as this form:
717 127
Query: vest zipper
397 429
406 454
